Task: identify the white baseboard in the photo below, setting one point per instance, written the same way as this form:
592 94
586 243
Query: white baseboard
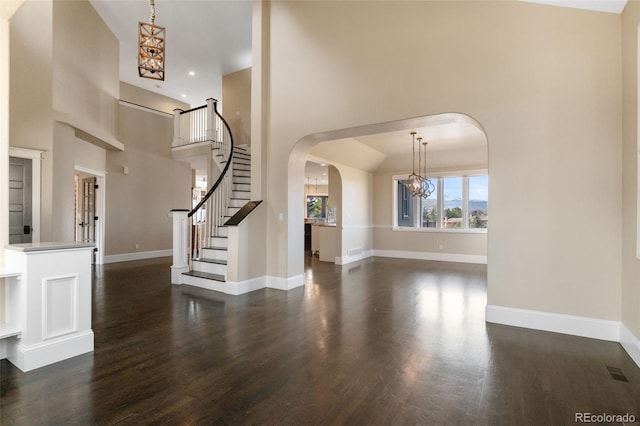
236 288
3 349
630 343
285 283
241 287
28 358
439 257
349 259
127 257
558 323
567 324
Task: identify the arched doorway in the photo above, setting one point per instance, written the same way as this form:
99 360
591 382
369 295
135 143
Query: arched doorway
358 231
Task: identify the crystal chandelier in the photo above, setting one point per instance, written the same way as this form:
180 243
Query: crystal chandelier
151 40
418 185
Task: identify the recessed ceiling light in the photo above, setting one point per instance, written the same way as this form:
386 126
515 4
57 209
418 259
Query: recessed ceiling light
324 174
322 164
184 96
192 73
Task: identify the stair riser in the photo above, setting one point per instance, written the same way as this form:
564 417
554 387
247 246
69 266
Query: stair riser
241 195
212 268
223 232
241 187
204 283
232 210
214 254
242 179
218 241
236 203
242 173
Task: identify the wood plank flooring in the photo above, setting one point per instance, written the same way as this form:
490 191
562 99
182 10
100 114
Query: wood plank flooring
381 341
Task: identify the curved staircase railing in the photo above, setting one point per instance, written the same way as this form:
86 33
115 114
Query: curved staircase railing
209 214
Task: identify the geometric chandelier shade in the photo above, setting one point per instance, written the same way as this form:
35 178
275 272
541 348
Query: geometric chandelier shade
419 185
151 47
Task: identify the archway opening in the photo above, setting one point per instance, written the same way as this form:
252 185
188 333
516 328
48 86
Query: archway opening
371 161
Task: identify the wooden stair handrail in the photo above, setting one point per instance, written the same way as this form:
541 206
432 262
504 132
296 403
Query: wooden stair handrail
226 166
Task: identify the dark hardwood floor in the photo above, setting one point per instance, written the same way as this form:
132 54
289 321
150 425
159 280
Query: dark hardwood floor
381 341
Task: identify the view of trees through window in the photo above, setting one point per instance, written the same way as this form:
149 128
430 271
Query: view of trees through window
317 206
458 202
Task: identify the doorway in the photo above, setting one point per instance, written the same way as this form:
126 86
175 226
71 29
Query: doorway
89 211
20 197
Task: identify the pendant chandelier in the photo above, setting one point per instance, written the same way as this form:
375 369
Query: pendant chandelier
418 185
151 40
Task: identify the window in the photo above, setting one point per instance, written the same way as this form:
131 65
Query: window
429 209
458 203
405 205
478 201
317 206
452 196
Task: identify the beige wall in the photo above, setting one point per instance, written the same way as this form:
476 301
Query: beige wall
56 73
543 81
31 95
236 105
630 263
90 157
85 75
138 96
138 204
356 207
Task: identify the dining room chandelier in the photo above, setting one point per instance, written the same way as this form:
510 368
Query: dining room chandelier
418 184
151 43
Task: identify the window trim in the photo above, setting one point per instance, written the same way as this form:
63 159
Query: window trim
466 174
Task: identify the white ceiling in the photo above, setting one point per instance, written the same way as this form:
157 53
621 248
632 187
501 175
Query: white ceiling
212 38
610 6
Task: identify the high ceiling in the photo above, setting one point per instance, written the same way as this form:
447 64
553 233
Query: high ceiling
209 38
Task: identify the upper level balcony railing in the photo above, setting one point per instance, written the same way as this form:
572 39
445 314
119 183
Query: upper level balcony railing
199 124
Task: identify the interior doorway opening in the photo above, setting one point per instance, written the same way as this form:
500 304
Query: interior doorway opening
89 211
369 158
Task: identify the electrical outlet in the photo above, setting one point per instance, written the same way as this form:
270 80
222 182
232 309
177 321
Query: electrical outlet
137 246
440 247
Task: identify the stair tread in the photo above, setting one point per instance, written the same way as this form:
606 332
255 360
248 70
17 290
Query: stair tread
215 248
207 260
206 275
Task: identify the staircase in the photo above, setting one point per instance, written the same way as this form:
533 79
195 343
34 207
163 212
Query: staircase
201 248
209 268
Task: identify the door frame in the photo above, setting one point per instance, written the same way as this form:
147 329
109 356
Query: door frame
100 208
36 170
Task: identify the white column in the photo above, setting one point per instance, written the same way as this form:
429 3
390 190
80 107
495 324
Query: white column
180 245
177 135
4 136
211 120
